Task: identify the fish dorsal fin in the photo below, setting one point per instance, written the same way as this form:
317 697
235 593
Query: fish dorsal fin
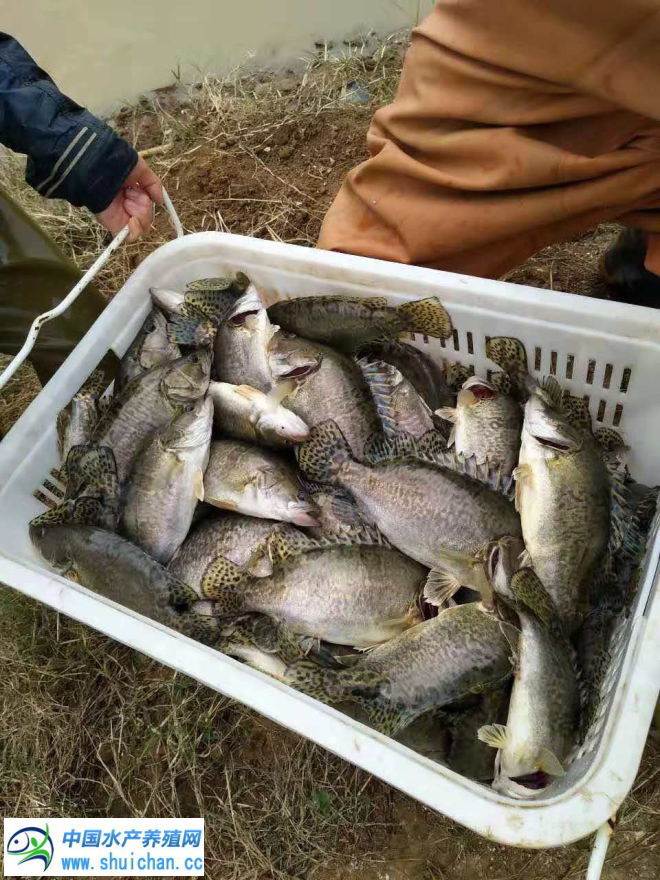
627 531
431 449
552 391
247 392
286 544
383 380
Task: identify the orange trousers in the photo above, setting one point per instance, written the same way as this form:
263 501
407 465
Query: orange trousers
516 124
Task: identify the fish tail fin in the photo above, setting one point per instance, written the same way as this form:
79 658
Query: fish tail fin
222 581
426 316
361 686
610 441
510 356
576 411
260 631
215 304
456 374
202 628
388 718
91 496
323 454
494 735
193 331
315 681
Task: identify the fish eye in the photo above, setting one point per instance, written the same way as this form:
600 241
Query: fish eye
302 496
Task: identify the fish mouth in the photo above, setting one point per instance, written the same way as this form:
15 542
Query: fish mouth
297 436
300 372
524 787
535 781
287 427
482 389
170 300
240 319
552 444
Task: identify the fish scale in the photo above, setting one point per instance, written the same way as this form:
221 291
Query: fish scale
438 517
463 651
357 596
147 404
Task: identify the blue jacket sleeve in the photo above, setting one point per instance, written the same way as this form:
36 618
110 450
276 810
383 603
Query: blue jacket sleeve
72 155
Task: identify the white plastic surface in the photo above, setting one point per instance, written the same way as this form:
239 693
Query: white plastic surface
615 337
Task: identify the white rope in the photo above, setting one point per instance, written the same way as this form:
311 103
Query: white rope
91 273
599 851
174 217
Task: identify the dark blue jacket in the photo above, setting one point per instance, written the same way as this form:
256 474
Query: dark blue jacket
72 155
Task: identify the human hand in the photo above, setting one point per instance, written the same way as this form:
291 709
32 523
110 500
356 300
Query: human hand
133 204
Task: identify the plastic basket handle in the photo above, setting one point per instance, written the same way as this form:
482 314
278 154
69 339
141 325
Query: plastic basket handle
75 292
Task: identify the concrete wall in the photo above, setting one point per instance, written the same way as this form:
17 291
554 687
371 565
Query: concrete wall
103 52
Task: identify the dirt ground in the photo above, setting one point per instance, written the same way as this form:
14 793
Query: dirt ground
88 727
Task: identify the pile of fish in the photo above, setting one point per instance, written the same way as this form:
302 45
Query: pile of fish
308 492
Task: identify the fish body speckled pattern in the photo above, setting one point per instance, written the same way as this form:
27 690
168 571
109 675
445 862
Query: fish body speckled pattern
304 488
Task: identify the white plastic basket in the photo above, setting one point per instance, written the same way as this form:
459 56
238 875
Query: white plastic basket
608 351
